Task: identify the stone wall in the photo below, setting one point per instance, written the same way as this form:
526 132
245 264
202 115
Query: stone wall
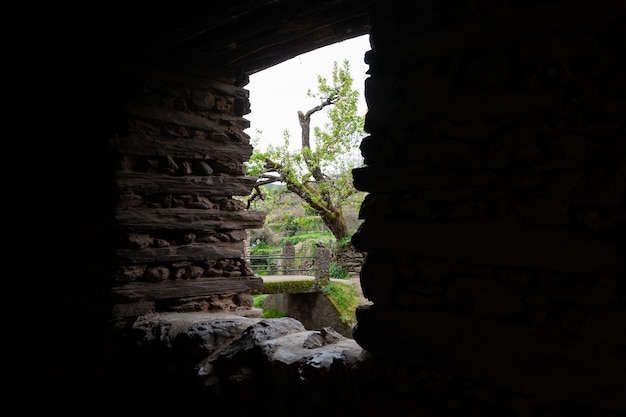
349 258
494 221
179 169
313 309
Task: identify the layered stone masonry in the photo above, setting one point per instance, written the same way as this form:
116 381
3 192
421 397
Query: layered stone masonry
181 167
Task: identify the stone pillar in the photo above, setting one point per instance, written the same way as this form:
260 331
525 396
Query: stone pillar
222 267
288 261
322 266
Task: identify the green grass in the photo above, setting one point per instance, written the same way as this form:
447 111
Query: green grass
345 299
268 313
338 271
272 313
258 300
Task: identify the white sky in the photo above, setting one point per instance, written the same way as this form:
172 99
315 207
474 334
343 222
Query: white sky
278 92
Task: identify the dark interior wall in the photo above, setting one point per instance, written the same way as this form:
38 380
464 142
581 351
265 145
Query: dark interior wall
493 227
494 223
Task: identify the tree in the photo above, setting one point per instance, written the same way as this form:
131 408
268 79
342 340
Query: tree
320 173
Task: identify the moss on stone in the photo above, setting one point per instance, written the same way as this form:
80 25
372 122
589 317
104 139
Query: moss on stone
345 299
289 287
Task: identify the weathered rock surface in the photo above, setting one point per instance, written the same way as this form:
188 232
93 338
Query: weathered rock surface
237 339
254 358
283 342
202 333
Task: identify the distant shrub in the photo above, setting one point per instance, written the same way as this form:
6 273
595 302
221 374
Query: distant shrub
291 225
338 271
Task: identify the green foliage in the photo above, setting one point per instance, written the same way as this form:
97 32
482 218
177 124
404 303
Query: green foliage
322 237
260 246
309 211
258 300
345 299
262 258
343 241
291 225
268 313
272 313
310 222
277 210
338 271
305 285
320 172
255 166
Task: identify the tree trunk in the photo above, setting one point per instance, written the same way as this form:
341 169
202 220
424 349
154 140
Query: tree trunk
333 219
336 224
